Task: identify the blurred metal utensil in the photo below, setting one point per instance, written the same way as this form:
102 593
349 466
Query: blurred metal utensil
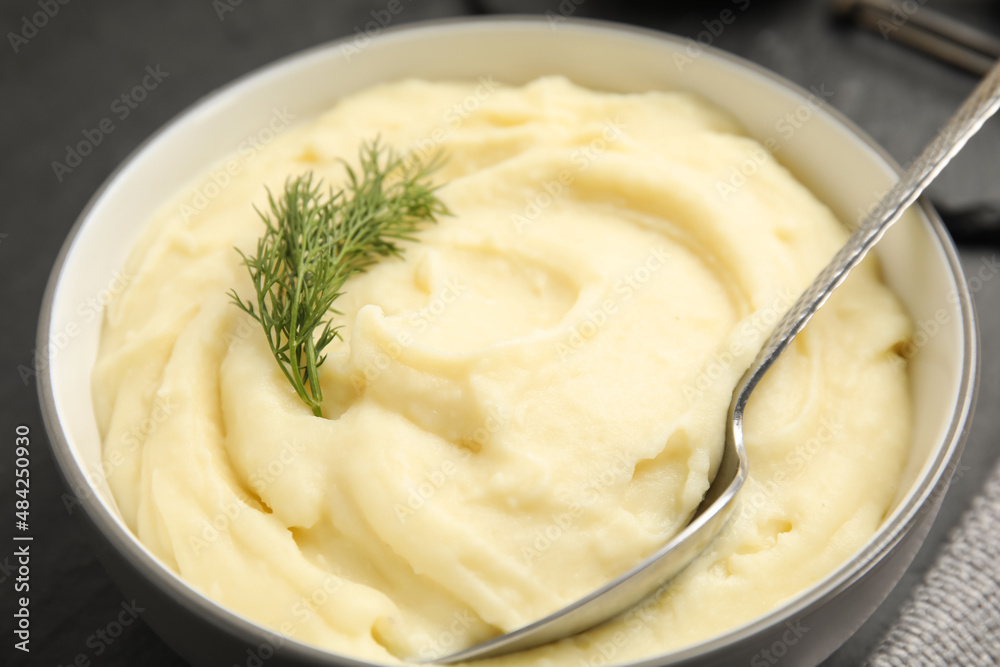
926 30
953 42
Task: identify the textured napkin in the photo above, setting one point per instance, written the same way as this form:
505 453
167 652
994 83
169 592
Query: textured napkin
953 616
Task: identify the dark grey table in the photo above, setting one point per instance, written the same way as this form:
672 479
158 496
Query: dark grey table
60 79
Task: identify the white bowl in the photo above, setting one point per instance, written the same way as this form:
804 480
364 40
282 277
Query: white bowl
844 168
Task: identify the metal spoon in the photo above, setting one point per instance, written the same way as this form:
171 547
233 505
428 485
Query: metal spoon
656 571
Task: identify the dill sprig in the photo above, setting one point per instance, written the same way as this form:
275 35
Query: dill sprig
315 241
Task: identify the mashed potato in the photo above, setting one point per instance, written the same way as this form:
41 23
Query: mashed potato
528 403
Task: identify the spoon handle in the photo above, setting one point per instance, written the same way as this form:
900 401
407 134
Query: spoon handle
979 106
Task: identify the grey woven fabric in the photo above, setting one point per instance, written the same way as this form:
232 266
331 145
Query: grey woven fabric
953 617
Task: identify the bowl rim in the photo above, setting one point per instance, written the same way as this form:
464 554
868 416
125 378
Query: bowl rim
937 471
